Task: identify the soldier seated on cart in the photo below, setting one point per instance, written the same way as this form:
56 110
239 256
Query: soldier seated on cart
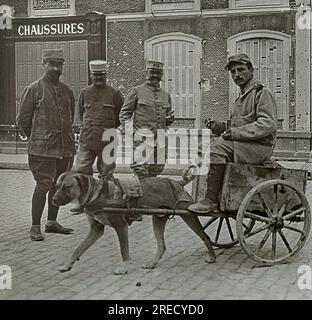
249 138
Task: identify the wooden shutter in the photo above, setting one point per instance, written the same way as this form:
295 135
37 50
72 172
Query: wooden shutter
29 64
267 57
180 74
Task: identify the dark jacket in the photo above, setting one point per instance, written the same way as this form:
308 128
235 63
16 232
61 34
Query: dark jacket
46 116
99 109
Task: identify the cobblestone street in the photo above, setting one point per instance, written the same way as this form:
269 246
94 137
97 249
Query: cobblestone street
182 274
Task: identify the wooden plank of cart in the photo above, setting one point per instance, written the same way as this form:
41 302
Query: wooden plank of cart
262 207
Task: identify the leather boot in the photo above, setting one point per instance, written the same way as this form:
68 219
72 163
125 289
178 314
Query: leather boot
214 185
35 233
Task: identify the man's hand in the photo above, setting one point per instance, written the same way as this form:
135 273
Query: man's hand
121 129
227 135
170 118
210 123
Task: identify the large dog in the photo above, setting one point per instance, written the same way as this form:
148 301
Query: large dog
95 195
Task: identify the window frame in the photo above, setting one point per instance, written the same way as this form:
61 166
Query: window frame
258 4
71 11
184 5
269 34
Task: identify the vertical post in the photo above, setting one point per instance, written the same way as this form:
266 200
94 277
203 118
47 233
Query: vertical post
303 63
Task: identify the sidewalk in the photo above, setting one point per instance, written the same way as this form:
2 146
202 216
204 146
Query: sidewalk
20 162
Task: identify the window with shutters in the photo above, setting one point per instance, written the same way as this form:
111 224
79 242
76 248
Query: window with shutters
171 5
269 53
237 4
43 8
181 54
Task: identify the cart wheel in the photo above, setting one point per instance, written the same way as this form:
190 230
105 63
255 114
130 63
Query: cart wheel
284 216
222 232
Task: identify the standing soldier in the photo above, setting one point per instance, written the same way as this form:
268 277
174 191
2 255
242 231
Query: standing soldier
149 107
46 116
99 106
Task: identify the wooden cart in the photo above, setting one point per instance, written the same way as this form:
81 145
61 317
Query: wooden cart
263 208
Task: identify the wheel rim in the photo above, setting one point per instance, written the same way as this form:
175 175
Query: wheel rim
287 226
222 232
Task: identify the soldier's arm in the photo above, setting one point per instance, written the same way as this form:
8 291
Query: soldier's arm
119 100
128 107
80 106
169 113
265 124
25 115
72 106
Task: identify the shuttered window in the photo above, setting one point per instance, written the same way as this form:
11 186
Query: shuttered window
270 58
236 4
29 64
181 57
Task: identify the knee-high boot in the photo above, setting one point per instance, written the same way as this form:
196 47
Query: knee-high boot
214 185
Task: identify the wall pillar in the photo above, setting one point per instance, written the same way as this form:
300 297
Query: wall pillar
303 69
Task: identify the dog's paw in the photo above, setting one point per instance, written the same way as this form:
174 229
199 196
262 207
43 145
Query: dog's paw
149 265
210 259
63 268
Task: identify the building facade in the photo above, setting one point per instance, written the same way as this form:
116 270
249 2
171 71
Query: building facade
192 37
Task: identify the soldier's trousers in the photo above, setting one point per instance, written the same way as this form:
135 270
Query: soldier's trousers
150 162
45 171
85 159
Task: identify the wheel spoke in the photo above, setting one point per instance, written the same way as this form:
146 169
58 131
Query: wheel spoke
294 213
257 231
264 240
285 240
281 211
264 204
273 244
212 220
294 229
219 229
229 228
256 217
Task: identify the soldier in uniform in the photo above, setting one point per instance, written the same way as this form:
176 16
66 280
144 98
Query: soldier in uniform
99 106
46 116
150 108
250 138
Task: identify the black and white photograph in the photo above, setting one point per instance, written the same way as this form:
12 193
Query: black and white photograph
155 150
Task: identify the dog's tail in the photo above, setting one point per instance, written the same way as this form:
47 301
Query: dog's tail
187 175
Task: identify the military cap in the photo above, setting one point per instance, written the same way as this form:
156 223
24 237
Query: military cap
53 55
238 58
157 65
99 66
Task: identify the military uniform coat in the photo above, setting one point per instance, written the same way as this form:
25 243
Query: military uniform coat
46 116
99 109
253 124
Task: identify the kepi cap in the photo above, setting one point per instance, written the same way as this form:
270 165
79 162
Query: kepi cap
53 55
99 66
156 65
238 58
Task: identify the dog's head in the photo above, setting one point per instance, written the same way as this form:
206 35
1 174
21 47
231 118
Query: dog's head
72 187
